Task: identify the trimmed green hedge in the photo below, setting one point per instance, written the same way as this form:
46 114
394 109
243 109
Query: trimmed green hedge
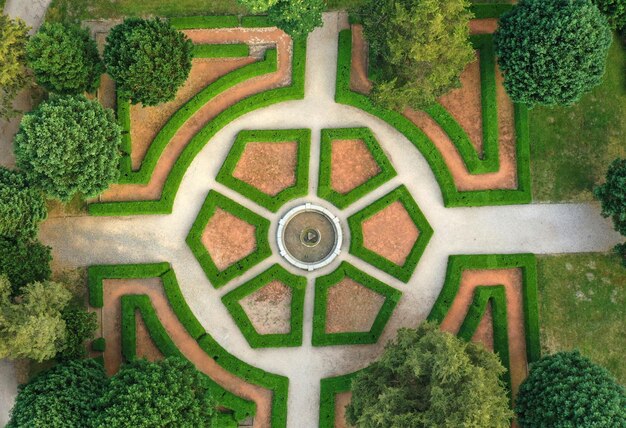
451 196
213 201
165 203
301 136
324 283
297 284
233 50
98 345
357 248
192 22
325 190
329 388
180 306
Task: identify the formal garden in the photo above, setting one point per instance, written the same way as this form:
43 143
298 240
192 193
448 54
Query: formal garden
303 213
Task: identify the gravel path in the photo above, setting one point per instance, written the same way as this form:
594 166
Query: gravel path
509 229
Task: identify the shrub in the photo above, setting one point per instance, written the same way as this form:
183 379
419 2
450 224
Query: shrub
427 378
297 17
80 326
166 393
61 397
568 390
418 49
24 262
148 59
22 208
612 195
69 145
64 59
31 326
615 12
13 74
552 51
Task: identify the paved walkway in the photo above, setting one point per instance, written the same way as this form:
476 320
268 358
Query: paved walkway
532 228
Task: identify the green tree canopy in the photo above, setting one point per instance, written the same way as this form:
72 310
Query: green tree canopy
148 59
68 145
568 390
64 59
427 378
31 325
297 17
22 207
64 396
418 49
257 6
80 326
13 74
24 261
552 51
615 12
163 394
612 195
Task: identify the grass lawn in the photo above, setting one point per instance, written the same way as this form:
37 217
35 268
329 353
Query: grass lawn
571 148
581 305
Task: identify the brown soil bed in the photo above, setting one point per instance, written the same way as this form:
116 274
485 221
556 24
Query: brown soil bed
282 77
228 238
484 331
351 165
359 81
111 315
269 167
351 307
483 26
391 233
341 402
269 308
512 281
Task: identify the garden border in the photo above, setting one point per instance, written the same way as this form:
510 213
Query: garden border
302 138
355 222
325 190
297 284
231 50
213 201
324 283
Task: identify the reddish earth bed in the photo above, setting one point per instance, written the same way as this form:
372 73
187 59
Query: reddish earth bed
352 164
269 167
351 307
390 233
269 308
484 331
228 238
341 402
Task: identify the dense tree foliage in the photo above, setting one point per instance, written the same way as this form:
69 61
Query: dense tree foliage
568 390
24 261
418 49
62 397
615 12
297 17
612 195
80 326
13 74
31 325
22 207
148 59
552 51
258 6
427 378
168 393
69 144
64 59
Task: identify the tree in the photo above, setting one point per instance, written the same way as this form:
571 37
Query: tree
418 49
148 59
64 59
69 144
24 261
22 207
568 390
31 325
552 51
80 326
612 195
258 6
13 74
427 378
61 397
615 12
166 393
297 17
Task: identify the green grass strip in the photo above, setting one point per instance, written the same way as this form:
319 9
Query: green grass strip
451 196
233 50
325 190
297 284
196 22
215 200
357 247
255 21
324 283
272 202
